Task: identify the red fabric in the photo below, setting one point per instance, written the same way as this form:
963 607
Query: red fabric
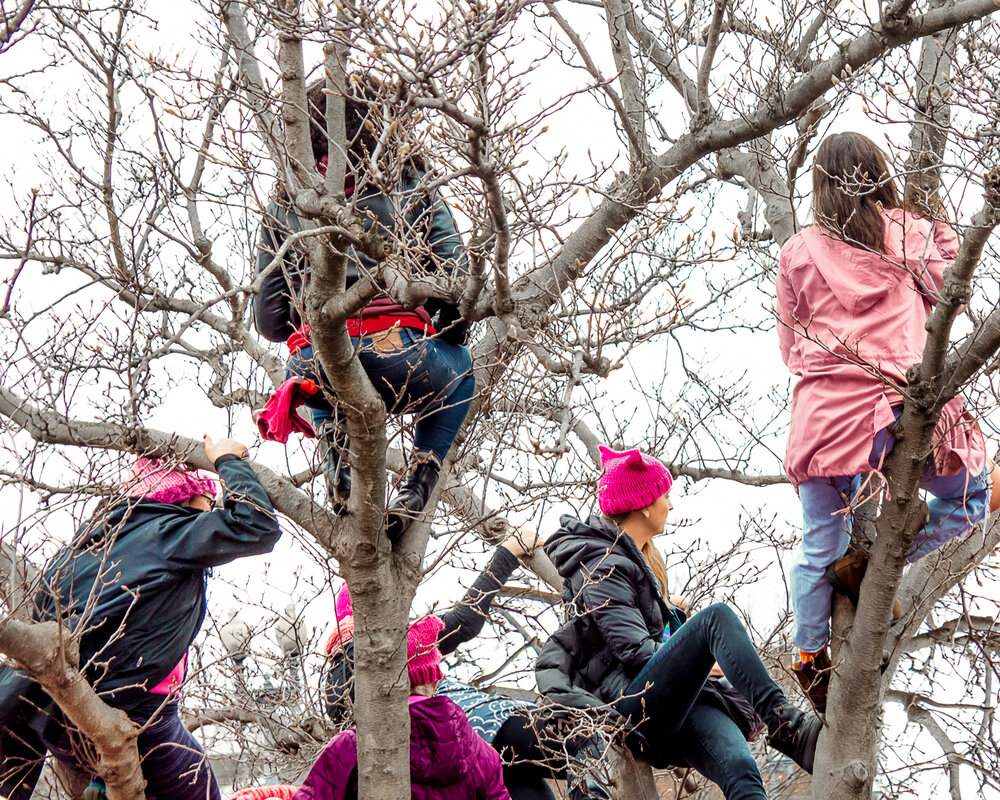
279 419
366 325
341 635
299 339
408 319
322 166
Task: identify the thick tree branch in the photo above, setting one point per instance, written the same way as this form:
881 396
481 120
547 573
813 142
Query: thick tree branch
49 654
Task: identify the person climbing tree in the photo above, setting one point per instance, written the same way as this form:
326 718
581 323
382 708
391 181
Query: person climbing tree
853 294
131 585
528 746
447 760
629 655
416 358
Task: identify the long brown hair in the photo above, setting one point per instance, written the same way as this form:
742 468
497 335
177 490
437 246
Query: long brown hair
851 186
656 563
653 556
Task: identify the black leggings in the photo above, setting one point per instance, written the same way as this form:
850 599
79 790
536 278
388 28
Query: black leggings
517 741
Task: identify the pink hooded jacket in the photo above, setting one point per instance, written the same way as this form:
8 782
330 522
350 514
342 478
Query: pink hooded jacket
850 324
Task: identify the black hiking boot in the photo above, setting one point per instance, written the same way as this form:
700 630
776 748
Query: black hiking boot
413 494
814 678
793 732
333 446
585 773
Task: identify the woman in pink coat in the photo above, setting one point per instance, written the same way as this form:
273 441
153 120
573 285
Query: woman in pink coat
853 294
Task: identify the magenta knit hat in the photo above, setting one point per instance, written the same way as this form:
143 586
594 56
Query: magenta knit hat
342 604
630 480
153 480
423 659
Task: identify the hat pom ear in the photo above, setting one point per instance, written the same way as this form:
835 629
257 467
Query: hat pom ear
607 454
634 457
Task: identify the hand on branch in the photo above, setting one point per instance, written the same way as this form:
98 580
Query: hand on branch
216 450
522 542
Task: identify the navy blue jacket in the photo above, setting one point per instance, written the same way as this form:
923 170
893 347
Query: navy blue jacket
132 581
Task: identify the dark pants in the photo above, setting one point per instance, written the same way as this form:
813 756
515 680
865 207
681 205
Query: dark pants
664 701
525 759
431 378
173 763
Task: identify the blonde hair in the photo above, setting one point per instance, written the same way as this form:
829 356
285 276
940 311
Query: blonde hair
656 563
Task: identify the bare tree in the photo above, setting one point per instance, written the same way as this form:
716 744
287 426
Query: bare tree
624 172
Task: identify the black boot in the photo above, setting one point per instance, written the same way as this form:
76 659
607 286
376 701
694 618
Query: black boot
413 494
585 774
333 446
794 733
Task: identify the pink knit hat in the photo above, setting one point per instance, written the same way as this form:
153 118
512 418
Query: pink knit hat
342 605
153 480
423 659
631 480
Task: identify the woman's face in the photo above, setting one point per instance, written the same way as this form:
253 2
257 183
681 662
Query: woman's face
658 514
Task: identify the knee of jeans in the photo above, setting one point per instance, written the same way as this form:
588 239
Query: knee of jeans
721 613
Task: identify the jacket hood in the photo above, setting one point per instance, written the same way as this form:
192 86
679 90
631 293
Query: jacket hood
577 542
442 749
857 277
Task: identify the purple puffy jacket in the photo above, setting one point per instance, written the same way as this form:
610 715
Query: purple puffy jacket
448 761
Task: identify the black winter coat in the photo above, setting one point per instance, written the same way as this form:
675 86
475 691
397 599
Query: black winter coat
429 227
620 615
133 580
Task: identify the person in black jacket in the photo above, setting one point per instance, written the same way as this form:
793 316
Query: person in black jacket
415 357
629 654
527 745
132 584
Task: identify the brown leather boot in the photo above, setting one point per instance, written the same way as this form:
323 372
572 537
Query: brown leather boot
814 678
845 576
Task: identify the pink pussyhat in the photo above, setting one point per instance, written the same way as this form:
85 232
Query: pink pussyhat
631 480
342 604
423 658
153 480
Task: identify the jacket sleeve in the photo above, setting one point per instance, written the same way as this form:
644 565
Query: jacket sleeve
491 774
246 525
464 622
448 254
609 597
785 307
275 315
330 774
338 685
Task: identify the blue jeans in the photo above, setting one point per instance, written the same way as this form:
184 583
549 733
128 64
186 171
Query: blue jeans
427 377
958 502
173 763
663 700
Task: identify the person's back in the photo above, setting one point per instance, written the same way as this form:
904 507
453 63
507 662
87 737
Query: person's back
448 760
840 301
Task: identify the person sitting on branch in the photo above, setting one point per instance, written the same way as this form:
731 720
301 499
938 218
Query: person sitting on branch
416 358
630 656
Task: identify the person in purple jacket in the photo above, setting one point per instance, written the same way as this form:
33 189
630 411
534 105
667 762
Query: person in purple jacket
448 761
